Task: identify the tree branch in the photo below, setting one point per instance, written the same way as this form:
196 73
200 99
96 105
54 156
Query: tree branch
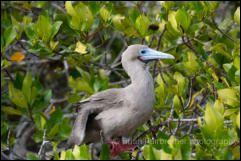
222 32
189 45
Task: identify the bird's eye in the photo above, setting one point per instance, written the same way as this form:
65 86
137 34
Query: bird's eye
143 51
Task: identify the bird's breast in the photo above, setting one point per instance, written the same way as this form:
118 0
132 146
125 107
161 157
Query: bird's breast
137 108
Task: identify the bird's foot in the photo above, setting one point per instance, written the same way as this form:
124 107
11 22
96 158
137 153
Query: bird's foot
117 148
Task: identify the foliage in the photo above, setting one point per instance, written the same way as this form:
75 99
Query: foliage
54 54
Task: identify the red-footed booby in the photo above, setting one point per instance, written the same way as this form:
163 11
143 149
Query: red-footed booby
117 112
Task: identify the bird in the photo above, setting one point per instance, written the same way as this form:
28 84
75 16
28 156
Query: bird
118 112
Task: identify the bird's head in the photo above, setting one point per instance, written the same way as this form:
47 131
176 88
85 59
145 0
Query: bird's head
144 54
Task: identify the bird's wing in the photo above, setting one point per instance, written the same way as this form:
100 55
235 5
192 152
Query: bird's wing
95 104
104 100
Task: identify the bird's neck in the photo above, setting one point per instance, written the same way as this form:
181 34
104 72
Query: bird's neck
139 75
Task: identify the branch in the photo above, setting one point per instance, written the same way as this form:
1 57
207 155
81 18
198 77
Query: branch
190 93
189 45
158 45
215 24
11 78
41 150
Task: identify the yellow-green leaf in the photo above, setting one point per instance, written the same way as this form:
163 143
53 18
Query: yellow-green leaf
42 121
80 48
53 44
26 88
238 120
104 13
180 82
142 24
172 20
219 107
16 96
117 22
76 152
69 8
214 120
167 4
183 18
11 110
62 155
229 96
17 56
176 102
237 16
27 20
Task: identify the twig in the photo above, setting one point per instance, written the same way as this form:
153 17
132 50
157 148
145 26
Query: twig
41 150
11 78
158 45
177 128
8 140
96 31
190 93
189 45
152 38
160 37
215 24
163 79
153 132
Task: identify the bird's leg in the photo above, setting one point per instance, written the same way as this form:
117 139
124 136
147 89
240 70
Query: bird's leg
117 148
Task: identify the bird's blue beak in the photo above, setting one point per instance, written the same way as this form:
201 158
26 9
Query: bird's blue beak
150 54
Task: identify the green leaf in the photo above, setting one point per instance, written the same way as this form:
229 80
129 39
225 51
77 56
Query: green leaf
44 28
180 82
222 49
26 88
73 97
142 24
176 102
118 22
82 18
11 110
167 4
150 153
18 27
80 85
55 28
105 152
84 152
183 19
236 62
186 149
32 157
30 31
27 20
191 66
69 155
54 130
214 120
229 96
55 118
212 5
104 13
237 16
8 36
16 96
